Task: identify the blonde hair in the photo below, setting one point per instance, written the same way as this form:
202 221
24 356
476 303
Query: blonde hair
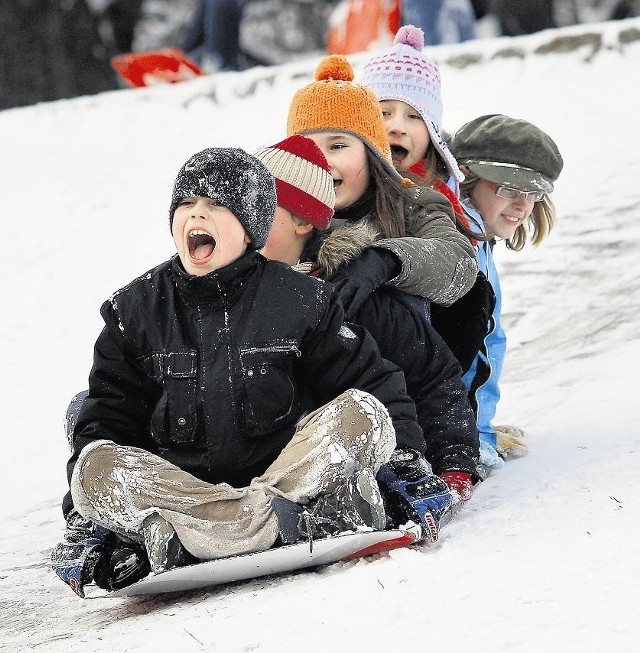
539 224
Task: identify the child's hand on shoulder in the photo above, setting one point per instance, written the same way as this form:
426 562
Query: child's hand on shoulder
363 276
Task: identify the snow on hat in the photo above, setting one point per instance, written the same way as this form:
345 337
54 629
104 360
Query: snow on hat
406 74
237 181
508 151
304 185
333 102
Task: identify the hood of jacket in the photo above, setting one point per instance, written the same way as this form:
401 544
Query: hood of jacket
344 244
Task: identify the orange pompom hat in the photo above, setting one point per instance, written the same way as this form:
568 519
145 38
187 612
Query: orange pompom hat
334 103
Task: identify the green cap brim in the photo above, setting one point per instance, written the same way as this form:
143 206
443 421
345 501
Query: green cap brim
506 174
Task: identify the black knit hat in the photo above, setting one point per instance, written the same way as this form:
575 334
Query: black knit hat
508 151
237 181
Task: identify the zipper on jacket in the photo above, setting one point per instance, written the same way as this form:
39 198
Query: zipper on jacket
273 349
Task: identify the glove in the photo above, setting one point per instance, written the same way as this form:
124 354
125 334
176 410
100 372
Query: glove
413 493
459 483
76 557
490 461
510 441
357 280
92 553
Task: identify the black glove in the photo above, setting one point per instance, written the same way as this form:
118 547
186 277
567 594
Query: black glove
357 280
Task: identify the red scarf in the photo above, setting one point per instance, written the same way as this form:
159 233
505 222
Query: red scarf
420 170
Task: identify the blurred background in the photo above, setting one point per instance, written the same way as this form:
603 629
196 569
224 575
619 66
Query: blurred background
54 49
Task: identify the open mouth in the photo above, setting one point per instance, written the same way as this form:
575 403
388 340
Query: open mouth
201 245
398 154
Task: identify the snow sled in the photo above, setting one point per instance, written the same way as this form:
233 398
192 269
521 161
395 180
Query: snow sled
357 26
166 66
279 560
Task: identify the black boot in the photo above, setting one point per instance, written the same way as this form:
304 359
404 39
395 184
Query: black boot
355 505
125 565
164 549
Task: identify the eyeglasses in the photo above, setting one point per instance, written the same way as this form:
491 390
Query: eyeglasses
515 194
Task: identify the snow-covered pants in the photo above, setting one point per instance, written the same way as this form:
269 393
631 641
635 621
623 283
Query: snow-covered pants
118 486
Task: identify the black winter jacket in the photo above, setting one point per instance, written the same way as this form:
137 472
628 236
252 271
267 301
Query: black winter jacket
433 377
212 373
400 326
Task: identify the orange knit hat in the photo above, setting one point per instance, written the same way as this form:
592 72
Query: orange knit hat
334 103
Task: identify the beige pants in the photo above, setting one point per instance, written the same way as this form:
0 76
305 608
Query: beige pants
118 487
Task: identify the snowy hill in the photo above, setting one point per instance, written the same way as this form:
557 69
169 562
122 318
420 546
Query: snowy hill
545 557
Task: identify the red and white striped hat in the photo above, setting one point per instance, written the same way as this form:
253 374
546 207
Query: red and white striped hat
303 182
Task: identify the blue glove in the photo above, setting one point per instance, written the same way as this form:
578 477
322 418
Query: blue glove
412 492
365 274
76 557
93 554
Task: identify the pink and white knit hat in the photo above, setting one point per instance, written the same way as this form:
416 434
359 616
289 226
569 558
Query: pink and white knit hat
406 74
304 185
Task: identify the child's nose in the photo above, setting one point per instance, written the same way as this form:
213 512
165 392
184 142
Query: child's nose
521 201
395 125
198 209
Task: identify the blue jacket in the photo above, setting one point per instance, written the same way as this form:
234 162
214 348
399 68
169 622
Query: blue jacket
487 394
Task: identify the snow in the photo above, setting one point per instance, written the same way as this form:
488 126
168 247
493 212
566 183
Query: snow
545 556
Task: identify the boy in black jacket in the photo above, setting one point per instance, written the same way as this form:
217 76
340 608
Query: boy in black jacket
397 321
228 400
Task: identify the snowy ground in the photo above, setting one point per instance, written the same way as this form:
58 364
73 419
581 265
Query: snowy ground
545 557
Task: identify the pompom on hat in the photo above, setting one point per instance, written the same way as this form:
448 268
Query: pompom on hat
406 74
237 181
304 185
508 151
333 102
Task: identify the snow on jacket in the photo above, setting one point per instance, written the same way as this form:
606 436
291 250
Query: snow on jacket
438 262
212 373
404 336
483 376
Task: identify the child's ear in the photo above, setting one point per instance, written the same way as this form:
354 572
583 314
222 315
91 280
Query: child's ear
302 226
247 238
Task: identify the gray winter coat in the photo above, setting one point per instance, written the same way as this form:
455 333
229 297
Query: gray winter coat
438 262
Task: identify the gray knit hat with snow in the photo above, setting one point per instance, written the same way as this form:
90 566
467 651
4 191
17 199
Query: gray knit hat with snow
237 181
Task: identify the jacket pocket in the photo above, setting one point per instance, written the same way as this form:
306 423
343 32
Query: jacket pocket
272 398
174 418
